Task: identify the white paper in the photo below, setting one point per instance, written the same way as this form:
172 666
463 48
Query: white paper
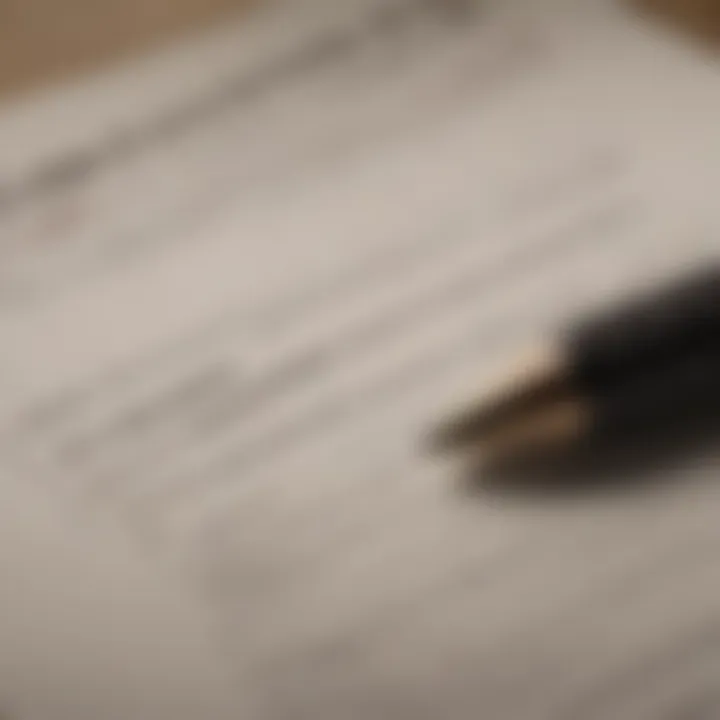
224 340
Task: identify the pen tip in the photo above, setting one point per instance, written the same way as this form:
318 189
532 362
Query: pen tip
536 380
456 433
537 433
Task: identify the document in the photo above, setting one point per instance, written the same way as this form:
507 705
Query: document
241 280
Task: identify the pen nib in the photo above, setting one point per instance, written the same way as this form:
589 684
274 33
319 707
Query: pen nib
537 380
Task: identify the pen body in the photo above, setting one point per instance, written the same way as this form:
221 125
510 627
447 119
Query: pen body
641 368
656 331
663 399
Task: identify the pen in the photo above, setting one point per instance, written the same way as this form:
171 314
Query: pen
632 372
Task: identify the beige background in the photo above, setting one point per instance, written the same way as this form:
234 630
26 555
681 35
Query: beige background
43 40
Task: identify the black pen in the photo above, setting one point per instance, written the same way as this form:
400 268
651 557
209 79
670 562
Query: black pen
635 371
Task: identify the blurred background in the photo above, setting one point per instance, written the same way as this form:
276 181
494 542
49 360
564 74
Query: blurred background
249 251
